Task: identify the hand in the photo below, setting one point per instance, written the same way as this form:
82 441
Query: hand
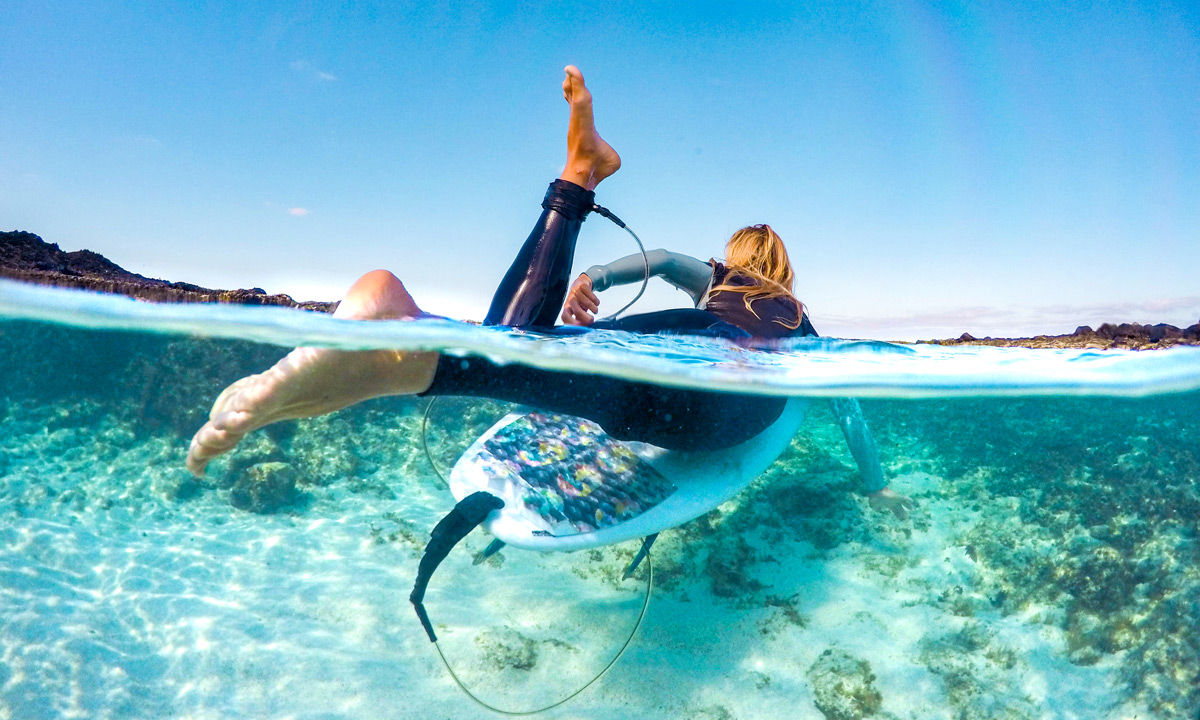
890 500
581 302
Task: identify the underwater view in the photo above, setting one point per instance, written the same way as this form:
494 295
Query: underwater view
1049 569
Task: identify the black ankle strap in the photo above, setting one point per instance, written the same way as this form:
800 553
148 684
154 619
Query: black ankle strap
570 199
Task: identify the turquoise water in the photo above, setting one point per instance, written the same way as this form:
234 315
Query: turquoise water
1051 568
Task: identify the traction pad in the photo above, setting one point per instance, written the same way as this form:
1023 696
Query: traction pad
573 475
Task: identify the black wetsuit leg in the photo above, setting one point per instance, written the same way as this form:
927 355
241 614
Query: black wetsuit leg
535 286
674 418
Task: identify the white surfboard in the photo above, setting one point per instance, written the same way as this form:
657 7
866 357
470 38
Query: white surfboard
567 485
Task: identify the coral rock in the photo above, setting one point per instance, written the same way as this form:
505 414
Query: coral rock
844 686
264 488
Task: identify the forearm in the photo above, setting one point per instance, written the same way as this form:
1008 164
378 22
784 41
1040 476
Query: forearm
861 442
683 271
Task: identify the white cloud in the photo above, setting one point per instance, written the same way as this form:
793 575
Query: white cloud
298 211
307 68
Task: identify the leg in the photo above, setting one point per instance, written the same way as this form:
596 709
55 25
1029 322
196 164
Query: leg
313 381
673 418
535 286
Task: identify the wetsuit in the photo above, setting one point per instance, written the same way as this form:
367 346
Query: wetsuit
698 278
530 296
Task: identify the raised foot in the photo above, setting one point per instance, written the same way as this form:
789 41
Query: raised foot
589 158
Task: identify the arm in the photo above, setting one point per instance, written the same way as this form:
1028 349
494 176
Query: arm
861 442
862 446
683 271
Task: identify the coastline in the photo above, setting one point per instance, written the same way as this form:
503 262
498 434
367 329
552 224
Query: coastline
26 257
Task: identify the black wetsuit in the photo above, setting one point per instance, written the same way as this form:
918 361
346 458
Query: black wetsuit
531 295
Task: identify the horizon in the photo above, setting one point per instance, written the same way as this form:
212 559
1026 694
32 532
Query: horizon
1003 170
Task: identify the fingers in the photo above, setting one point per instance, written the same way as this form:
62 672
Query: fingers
893 502
902 506
575 314
582 303
586 300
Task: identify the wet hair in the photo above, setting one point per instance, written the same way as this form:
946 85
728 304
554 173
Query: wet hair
757 253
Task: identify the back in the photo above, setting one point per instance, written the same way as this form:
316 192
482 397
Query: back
730 306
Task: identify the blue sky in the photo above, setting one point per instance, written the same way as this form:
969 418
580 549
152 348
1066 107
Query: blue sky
997 168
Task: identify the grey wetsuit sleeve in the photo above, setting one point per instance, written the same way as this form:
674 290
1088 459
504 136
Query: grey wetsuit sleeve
683 271
861 441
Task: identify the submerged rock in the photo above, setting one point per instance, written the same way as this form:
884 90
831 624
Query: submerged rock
178 484
843 686
506 648
264 488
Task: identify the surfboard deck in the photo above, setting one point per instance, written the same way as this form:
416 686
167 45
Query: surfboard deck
568 485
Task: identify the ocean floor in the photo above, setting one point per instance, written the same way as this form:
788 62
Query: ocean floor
1051 569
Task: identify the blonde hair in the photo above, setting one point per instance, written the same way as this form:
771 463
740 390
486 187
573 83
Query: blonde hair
757 252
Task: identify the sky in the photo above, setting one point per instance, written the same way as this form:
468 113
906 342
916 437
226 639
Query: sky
1001 168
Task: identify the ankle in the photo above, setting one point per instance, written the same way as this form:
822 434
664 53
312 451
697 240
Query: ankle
569 197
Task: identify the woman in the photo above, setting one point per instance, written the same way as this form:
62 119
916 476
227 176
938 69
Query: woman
752 290
313 381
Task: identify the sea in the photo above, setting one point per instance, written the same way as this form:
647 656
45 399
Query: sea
1050 566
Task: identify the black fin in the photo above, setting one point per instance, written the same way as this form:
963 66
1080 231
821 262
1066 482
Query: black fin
488 551
641 555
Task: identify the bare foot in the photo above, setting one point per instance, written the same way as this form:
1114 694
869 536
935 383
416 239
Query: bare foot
313 381
589 158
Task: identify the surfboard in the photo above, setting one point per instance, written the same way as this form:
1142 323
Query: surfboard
567 485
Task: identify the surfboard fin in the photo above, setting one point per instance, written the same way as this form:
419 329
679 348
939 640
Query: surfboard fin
487 552
469 512
641 555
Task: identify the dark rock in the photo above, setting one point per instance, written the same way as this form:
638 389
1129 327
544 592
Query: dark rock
1132 336
1163 330
178 484
264 488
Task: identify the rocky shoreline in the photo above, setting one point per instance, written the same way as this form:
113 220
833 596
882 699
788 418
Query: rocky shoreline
25 256
1126 336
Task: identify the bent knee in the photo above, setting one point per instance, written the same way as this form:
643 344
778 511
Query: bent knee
380 279
377 295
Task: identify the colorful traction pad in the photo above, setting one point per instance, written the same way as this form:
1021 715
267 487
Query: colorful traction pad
572 472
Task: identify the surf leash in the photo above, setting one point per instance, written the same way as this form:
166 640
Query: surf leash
465 517
474 509
601 210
